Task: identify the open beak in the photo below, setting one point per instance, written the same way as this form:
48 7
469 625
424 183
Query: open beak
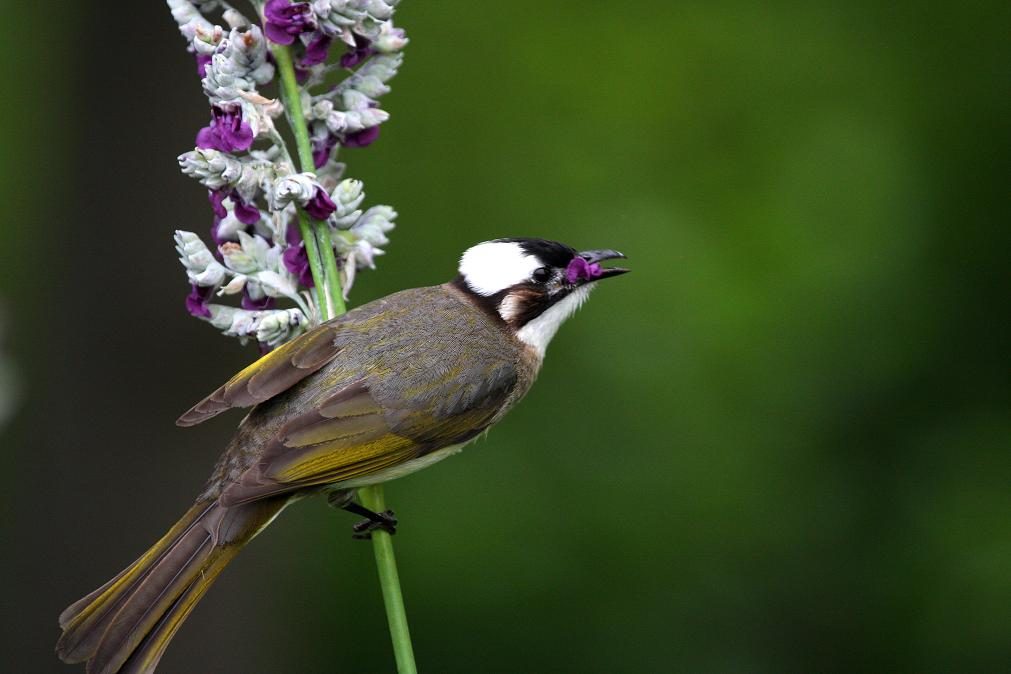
597 256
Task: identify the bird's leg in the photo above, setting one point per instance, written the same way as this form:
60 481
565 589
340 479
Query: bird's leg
345 500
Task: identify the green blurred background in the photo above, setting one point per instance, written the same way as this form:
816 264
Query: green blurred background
779 445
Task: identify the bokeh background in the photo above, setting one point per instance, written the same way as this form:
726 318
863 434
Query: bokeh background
780 445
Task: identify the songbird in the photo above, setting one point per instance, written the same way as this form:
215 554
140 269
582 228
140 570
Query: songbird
382 391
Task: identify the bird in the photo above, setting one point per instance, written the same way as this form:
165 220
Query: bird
388 388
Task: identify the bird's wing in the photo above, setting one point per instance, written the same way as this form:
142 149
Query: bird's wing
352 434
394 380
275 372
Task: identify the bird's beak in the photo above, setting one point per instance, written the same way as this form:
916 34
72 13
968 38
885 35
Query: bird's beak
599 255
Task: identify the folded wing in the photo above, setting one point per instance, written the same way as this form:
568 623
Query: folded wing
352 435
274 373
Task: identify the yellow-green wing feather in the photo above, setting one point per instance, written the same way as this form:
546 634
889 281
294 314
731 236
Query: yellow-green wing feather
351 436
275 372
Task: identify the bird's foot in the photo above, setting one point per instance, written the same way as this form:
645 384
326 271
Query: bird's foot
345 500
384 520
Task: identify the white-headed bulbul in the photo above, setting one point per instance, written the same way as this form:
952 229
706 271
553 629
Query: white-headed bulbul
380 392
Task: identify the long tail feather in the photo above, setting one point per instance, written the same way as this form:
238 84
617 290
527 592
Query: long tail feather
125 625
84 621
146 656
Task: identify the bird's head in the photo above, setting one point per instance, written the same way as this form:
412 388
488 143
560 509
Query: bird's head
533 285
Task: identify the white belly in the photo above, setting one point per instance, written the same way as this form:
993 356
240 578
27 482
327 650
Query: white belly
400 470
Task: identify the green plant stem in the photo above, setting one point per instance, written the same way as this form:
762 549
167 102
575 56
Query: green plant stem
315 264
386 563
327 280
326 276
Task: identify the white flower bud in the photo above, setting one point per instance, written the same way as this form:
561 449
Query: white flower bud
383 67
346 221
348 193
236 258
222 316
189 18
348 196
390 39
374 224
360 112
372 77
209 277
229 226
276 327
247 256
272 327
222 81
247 49
201 267
238 65
297 188
349 272
372 87
354 100
364 254
256 247
366 119
216 170
234 286
320 108
336 121
212 168
336 16
277 285
380 10
234 18
206 42
254 290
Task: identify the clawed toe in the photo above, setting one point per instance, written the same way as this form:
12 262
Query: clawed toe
384 520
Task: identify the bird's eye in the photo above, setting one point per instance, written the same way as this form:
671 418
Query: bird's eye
541 274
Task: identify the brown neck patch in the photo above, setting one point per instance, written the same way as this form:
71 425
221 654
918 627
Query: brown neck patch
514 306
522 304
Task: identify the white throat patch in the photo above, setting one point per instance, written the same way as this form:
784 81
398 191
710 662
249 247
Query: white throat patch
493 266
538 332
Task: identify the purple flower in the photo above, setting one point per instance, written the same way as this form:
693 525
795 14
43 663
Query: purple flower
321 149
321 206
202 62
285 20
295 258
362 138
581 269
227 132
355 55
196 301
245 213
316 51
250 304
292 236
217 197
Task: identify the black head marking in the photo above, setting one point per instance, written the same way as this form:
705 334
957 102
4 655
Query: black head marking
550 252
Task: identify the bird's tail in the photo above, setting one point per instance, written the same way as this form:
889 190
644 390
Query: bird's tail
125 625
